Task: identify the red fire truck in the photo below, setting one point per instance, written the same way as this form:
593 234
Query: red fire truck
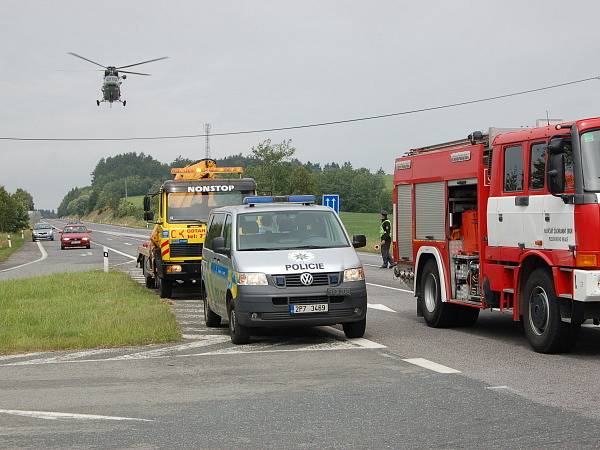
507 220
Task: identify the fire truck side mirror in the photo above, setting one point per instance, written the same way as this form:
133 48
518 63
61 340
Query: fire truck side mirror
556 173
359 241
147 203
148 216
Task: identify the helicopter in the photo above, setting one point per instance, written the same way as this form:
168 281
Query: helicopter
111 85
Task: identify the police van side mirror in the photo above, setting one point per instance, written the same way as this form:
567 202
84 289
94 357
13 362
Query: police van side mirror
556 146
148 216
359 241
556 173
218 245
147 203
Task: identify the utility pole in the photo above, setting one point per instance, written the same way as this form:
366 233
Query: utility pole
207 144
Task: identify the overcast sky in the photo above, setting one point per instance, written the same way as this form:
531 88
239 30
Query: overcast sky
258 64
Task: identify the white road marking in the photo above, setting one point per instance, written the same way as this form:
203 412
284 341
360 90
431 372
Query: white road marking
361 342
425 363
64 357
208 339
372 265
189 316
20 355
127 243
49 415
380 307
193 336
389 287
496 387
109 239
118 252
41 258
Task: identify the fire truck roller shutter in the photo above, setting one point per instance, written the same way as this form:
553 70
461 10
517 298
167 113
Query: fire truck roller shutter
430 202
404 220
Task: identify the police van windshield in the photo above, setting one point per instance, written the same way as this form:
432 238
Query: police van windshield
287 230
195 206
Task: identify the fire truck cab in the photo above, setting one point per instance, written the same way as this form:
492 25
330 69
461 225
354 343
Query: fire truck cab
507 220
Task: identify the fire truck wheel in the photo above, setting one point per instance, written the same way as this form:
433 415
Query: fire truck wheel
436 313
165 288
544 329
211 318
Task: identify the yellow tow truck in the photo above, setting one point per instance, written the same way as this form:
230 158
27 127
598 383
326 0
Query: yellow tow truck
173 254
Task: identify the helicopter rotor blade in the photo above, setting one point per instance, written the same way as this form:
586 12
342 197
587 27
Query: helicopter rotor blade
134 73
143 62
85 59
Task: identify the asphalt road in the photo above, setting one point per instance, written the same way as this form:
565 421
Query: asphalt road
403 385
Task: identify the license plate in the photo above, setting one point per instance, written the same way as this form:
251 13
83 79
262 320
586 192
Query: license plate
338 291
75 242
310 308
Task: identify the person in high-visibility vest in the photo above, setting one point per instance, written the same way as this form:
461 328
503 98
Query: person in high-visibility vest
385 233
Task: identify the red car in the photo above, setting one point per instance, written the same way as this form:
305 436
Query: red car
75 236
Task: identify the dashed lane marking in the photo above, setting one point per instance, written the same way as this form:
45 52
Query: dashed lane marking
51 415
426 364
389 287
127 243
492 388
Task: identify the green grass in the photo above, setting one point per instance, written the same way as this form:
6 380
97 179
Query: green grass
137 201
81 310
363 223
17 243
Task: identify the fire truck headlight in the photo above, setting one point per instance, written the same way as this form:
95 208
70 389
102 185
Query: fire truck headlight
251 279
356 274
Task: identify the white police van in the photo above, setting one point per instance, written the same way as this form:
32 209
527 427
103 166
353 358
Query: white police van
281 261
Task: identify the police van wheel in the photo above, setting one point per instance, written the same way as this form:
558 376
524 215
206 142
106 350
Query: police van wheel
544 329
355 329
437 314
239 333
165 288
211 318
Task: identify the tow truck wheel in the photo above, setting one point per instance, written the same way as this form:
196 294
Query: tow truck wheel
437 314
211 318
239 333
165 288
545 330
355 329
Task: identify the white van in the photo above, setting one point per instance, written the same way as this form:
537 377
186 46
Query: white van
281 261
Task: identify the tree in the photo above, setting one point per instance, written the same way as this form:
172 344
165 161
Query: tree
301 181
24 198
272 165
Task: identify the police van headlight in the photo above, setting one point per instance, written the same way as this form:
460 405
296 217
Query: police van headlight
356 274
251 279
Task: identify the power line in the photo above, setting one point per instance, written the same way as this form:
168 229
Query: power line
311 125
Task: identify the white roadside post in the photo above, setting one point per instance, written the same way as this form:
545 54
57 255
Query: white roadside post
105 250
9 242
22 234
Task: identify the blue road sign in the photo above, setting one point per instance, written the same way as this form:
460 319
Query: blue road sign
333 201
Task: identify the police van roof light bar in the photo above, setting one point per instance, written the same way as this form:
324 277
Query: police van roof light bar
301 199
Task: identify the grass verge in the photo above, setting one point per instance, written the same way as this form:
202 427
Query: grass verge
363 223
81 310
17 243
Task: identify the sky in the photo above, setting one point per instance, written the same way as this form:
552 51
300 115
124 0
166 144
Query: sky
269 63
